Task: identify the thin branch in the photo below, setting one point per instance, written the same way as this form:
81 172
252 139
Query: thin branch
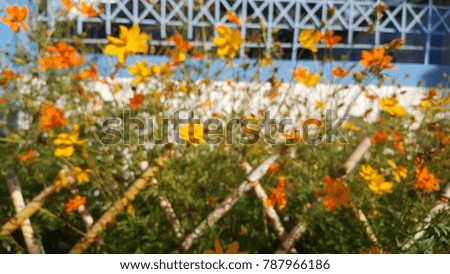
166 206
349 165
356 155
19 205
271 213
31 208
59 219
368 228
228 203
291 238
128 196
86 216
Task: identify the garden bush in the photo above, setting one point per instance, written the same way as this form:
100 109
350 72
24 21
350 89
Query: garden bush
63 127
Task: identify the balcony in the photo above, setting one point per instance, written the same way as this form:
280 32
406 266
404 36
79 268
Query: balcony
423 25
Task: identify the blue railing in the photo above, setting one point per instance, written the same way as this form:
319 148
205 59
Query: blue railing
423 25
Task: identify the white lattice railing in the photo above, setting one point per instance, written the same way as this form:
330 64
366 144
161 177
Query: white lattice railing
424 26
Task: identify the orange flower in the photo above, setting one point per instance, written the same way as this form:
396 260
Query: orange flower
335 194
60 55
340 73
395 44
299 72
88 73
6 77
425 180
2 100
183 46
89 10
292 136
74 203
330 39
376 58
234 18
29 156
16 17
373 250
444 138
197 55
370 96
96 102
273 168
180 43
178 57
233 248
67 4
398 139
52 117
136 101
277 196
380 136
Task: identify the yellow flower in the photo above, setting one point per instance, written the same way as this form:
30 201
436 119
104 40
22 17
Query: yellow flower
303 76
249 124
398 172
309 38
368 172
312 80
193 134
267 60
350 126
129 41
142 71
320 105
82 176
62 180
430 103
164 70
390 105
228 42
65 143
379 185
131 210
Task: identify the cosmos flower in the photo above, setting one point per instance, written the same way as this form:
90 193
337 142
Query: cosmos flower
130 41
16 18
228 41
